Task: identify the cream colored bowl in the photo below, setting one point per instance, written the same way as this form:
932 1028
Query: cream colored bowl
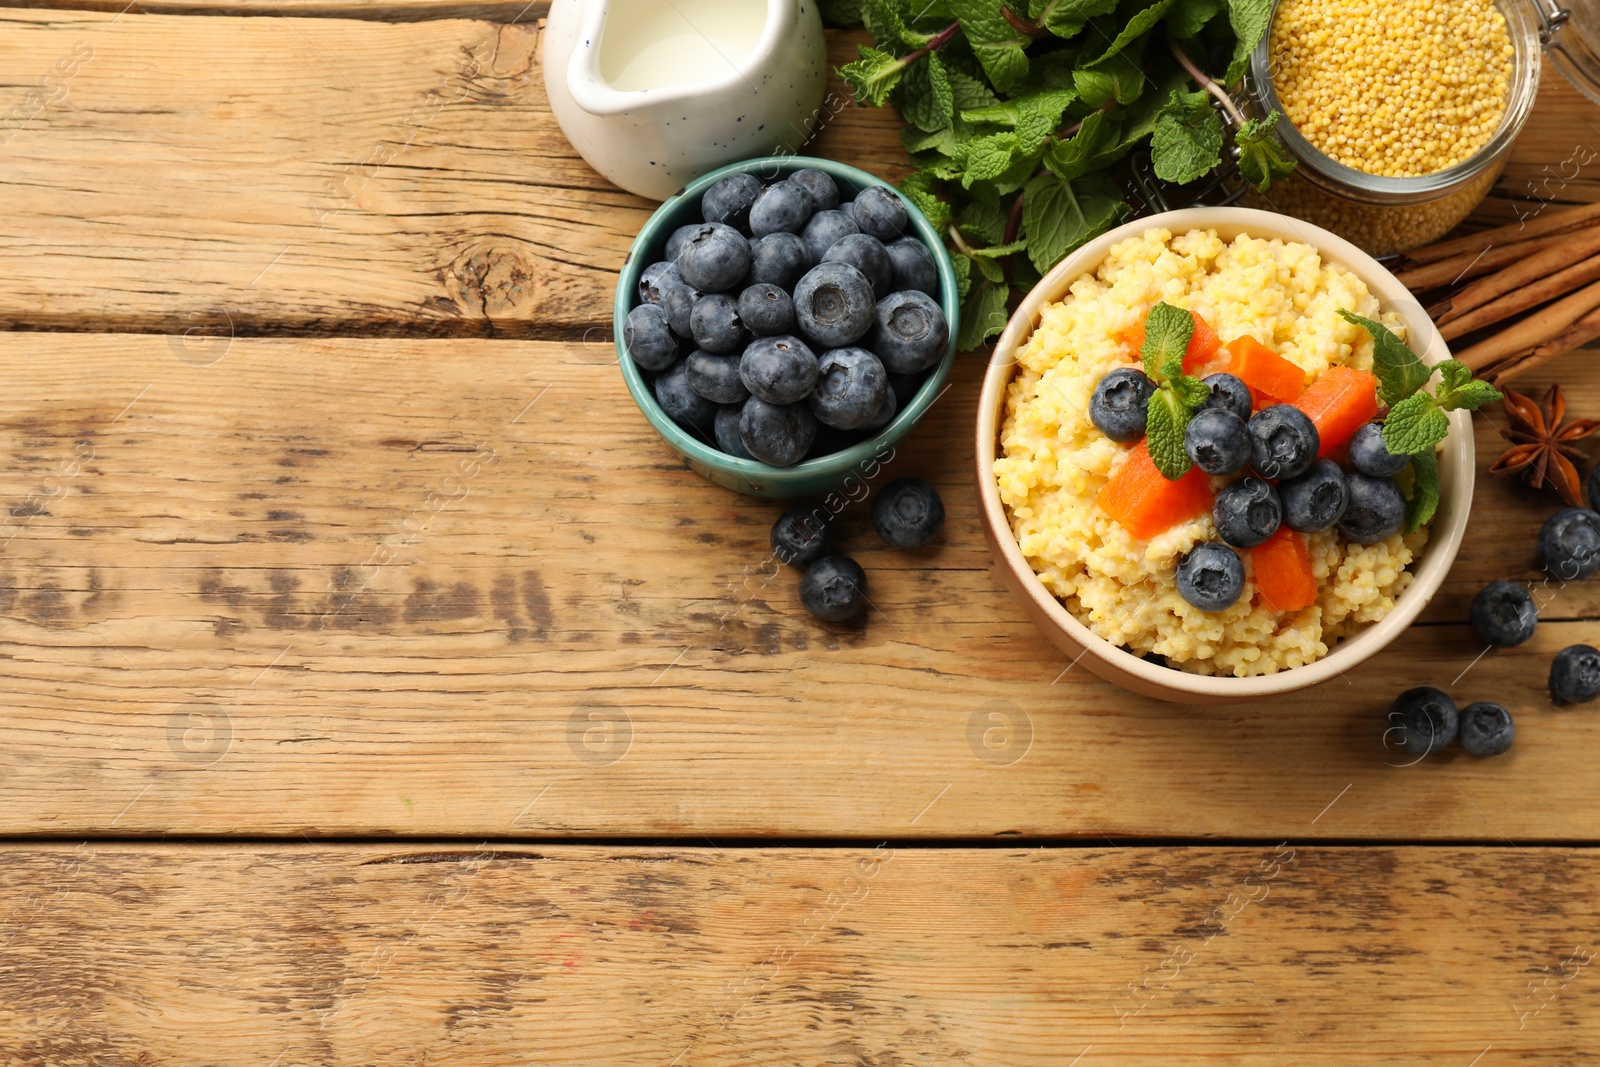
1124 668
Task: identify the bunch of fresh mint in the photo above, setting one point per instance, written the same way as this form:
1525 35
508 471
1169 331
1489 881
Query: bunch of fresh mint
1018 112
1417 420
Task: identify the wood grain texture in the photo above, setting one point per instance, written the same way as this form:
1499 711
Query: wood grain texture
310 176
459 587
310 957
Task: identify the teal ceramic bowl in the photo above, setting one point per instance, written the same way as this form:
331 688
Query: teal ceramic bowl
812 476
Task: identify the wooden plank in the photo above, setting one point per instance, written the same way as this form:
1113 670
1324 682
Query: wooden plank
1288 954
351 176
459 587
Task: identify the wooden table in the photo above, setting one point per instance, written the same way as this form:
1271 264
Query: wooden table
379 689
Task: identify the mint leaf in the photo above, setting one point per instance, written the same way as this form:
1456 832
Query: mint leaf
1135 28
1187 143
1119 79
841 13
1140 119
1414 425
1187 17
1056 217
1066 18
993 252
873 76
1262 160
885 24
987 224
1085 150
988 268
920 188
998 45
1458 389
1249 19
1038 116
989 157
963 270
1424 500
983 314
970 93
1400 373
1167 330
1167 419
1192 391
924 96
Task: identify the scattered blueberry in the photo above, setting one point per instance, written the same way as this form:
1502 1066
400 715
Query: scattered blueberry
778 434
779 258
648 337
1211 577
880 212
1315 500
1247 512
681 403
1229 394
1569 543
656 278
727 431
834 588
820 184
729 201
783 207
1216 439
867 255
801 536
678 302
716 377
909 331
1283 441
1503 614
1422 721
1575 675
1486 729
1376 510
834 307
765 309
886 411
824 230
914 267
717 257
907 513
1120 404
715 325
779 370
851 385
679 238
1369 455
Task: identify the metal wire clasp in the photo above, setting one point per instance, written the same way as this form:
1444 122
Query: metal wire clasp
1552 16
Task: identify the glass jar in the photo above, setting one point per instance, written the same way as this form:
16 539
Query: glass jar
1385 215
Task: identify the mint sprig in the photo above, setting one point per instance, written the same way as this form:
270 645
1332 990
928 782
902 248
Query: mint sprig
1167 331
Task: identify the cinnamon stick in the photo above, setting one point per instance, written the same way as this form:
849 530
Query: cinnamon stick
1467 265
1581 332
1541 225
1537 329
1565 250
1520 299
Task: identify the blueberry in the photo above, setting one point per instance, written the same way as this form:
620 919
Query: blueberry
779 258
907 513
909 331
1422 721
678 302
824 229
782 207
1229 394
656 278
1120 405
1486 729
779 370
1216 440
867 255
1283 441
880 212
1569 543
778 434
765 310
648 338
1211 577
1247 512
1503 614
1575 675
717 257
834 588
834 306
820 184
914 267
680 238
1369 455
729 201
727 431
830 440
1376 511
801 536
1315 500
682 404
716 377
851 385
1593 486
886 411
715 325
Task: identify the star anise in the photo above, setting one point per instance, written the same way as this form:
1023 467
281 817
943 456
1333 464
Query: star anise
1543 448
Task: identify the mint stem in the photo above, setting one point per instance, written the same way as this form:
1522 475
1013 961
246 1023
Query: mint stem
1022 25
936 42
1205 81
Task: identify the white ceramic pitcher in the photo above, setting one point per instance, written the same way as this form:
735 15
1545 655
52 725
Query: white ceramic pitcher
655 93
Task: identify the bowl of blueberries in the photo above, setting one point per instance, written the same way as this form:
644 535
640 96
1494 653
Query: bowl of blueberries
782 322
